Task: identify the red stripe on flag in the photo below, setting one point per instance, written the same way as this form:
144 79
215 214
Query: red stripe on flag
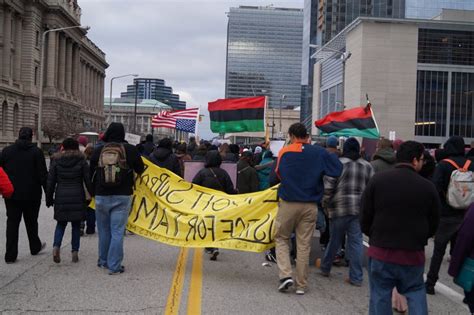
237 103
353 113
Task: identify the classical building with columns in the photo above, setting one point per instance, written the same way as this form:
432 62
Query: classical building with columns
74 69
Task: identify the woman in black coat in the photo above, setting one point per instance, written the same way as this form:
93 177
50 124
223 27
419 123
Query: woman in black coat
67 180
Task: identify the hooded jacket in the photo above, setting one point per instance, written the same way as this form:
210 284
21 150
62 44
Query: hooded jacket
247 179
384 159
212 176
67 180
454 150
25 165
116 134
165 158
148 148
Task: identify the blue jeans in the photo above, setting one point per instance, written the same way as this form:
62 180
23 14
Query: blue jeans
112 215
339 227
75 233
408 280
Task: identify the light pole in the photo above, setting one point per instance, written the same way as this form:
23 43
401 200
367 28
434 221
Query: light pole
111 85
40 69
282 97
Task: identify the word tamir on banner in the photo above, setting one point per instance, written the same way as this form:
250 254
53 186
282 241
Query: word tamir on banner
170 210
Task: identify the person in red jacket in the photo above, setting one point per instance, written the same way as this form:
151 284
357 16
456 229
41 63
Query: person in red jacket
6 187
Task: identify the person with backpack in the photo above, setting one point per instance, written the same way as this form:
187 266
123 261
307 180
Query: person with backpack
449 172
68 181
247 178
214 177
112 166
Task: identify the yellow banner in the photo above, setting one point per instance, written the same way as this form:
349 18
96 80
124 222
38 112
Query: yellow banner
170 210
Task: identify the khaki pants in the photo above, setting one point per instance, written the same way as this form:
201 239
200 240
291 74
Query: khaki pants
301 218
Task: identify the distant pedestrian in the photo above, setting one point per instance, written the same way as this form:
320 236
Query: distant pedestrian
148 145
257 155
342 202
247 178
399 213
164 157
200 154
462 259
67 189
451 218
113 192
331 145
214 177
192 146
25 165
300 167
183 156
83 141
264 169
384 158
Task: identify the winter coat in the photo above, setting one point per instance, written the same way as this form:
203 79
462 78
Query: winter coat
247 179
68 174
399 209
464 247
454 150
181 159
192 148
6 187
230 157
148 148
116 134
384 159
264 173
25 165
165 158
214 177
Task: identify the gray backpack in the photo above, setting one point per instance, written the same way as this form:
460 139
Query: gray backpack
460 193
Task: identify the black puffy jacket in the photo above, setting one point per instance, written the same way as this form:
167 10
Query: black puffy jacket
165 158
214 177
68 174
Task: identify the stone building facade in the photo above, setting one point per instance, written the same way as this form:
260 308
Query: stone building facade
74 69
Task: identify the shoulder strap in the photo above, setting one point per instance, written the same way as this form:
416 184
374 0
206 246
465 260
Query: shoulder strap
244 169
466 165
217 179
452 163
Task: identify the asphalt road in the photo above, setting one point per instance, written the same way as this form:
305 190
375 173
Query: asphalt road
161 279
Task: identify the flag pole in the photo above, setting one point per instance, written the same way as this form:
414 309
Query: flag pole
369 105
267 132
197 123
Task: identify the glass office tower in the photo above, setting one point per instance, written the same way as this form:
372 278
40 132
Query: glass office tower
427 9
154 89
264 53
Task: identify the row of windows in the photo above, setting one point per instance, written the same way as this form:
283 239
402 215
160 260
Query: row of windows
432 104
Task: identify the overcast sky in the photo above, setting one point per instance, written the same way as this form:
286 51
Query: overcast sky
180 41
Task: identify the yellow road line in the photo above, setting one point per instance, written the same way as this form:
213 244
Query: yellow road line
176 290
195 288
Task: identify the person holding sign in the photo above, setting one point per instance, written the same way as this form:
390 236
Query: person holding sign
300 167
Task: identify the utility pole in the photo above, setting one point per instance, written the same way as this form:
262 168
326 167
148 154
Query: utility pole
135 110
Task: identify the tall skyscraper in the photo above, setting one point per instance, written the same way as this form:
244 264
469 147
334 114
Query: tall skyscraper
264 51
154 89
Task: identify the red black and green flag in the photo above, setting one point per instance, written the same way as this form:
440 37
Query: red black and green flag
355 122
238 115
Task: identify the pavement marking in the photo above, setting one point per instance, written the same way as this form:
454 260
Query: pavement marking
195 288
443 289
176 290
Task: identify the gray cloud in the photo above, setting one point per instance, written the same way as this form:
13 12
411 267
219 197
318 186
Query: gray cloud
182 42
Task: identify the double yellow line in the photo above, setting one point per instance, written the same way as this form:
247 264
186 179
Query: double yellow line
195 288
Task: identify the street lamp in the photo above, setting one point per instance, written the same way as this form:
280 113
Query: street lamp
344 57
111 85
40 69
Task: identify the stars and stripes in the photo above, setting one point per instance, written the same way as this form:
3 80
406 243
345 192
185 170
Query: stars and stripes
184 120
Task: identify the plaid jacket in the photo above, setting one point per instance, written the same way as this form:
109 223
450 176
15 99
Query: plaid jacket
342 195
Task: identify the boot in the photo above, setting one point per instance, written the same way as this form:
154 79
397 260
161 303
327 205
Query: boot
56 255
75 257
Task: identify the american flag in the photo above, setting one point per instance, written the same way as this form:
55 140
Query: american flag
184 120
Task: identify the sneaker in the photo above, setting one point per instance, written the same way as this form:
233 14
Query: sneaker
102 266
9 262
353 283
285 284
430 289
214 254
56 255
324 274
299 292
75 257
121 270
269 257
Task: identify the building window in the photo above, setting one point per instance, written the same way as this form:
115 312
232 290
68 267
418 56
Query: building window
462 102
446 47
431 103
37 39
4 117
16 119
36 75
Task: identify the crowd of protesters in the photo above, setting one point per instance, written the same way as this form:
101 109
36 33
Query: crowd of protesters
398 198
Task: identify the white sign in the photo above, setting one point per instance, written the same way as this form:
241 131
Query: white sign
392 136
132 138
276 146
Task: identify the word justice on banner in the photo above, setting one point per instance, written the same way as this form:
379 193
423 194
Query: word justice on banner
168 209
